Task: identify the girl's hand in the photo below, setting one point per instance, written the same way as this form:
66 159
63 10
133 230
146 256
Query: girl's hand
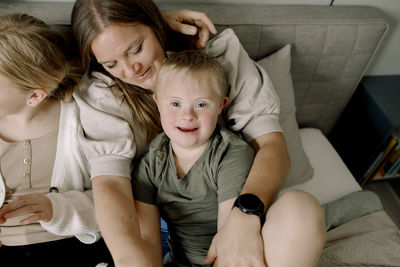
36 205
191 22
2 220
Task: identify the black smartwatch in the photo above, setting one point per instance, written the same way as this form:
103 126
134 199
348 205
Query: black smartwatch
250 204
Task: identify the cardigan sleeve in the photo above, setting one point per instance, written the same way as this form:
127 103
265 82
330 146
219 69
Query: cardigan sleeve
106 136
73 214
253 108
73 208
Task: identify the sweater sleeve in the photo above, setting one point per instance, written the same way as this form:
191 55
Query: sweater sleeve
106 136
73 214
253 109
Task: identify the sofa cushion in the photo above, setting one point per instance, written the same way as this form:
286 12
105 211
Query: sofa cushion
278 66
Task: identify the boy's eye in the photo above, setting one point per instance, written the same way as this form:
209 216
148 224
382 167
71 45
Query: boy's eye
175 104
201 105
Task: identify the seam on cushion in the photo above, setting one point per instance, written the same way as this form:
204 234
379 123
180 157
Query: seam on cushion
316 67
260 40
341 77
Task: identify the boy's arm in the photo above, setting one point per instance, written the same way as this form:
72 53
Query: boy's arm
241 232
150 229
224 208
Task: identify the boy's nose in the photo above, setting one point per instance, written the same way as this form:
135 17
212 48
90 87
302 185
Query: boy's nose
189 114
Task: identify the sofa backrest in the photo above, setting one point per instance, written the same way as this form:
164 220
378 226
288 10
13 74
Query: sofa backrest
331 45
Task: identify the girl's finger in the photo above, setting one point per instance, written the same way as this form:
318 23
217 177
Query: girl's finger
31 219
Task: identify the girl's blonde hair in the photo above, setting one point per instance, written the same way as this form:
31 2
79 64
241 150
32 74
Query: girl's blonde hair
90 17
32 56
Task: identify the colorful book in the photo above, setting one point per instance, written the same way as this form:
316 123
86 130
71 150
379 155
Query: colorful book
394 170
375 162
371 167
388 163
379 160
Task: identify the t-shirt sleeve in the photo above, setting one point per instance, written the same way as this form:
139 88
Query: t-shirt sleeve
233 169
104 135
253 109
144 189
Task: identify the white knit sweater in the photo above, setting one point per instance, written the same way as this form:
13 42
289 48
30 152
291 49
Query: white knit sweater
73 208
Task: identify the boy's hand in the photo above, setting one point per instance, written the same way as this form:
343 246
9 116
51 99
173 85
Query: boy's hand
36 205
191 22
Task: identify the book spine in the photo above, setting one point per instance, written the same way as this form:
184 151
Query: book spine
387 149
394 168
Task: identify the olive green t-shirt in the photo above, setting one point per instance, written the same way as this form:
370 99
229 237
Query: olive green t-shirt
190 205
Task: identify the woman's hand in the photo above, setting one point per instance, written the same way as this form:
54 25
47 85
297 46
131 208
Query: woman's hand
238 243
191 23
36 205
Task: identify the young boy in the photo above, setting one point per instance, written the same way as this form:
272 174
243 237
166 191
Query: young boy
194 170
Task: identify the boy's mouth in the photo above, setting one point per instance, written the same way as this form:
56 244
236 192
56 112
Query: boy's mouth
187 130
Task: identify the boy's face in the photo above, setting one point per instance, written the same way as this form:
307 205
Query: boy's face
189 108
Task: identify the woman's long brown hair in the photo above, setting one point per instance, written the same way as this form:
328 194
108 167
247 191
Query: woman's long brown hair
90 17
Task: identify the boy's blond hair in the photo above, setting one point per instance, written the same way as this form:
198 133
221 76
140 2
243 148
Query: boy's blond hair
32 56
195 62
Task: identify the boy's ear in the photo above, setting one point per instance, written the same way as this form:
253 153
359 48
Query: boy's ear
37 96
224 102
155 97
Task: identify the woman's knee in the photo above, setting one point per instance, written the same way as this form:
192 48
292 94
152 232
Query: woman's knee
297 204
294 225
297 210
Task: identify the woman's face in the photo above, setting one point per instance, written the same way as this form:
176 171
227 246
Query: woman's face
131 53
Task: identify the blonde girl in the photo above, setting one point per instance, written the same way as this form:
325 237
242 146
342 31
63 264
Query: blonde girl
47 211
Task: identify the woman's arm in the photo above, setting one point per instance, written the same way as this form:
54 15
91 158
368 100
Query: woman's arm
150 229
241 232
116 213
106 138
191 23
265 180
254 112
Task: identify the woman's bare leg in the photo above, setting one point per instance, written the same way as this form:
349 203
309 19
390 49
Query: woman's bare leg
294 231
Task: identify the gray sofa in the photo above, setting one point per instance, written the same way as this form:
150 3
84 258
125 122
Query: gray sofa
332 45
330 49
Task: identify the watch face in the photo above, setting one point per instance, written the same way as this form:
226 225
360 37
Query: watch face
250 202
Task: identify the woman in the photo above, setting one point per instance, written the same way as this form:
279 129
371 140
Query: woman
46 197
123 43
